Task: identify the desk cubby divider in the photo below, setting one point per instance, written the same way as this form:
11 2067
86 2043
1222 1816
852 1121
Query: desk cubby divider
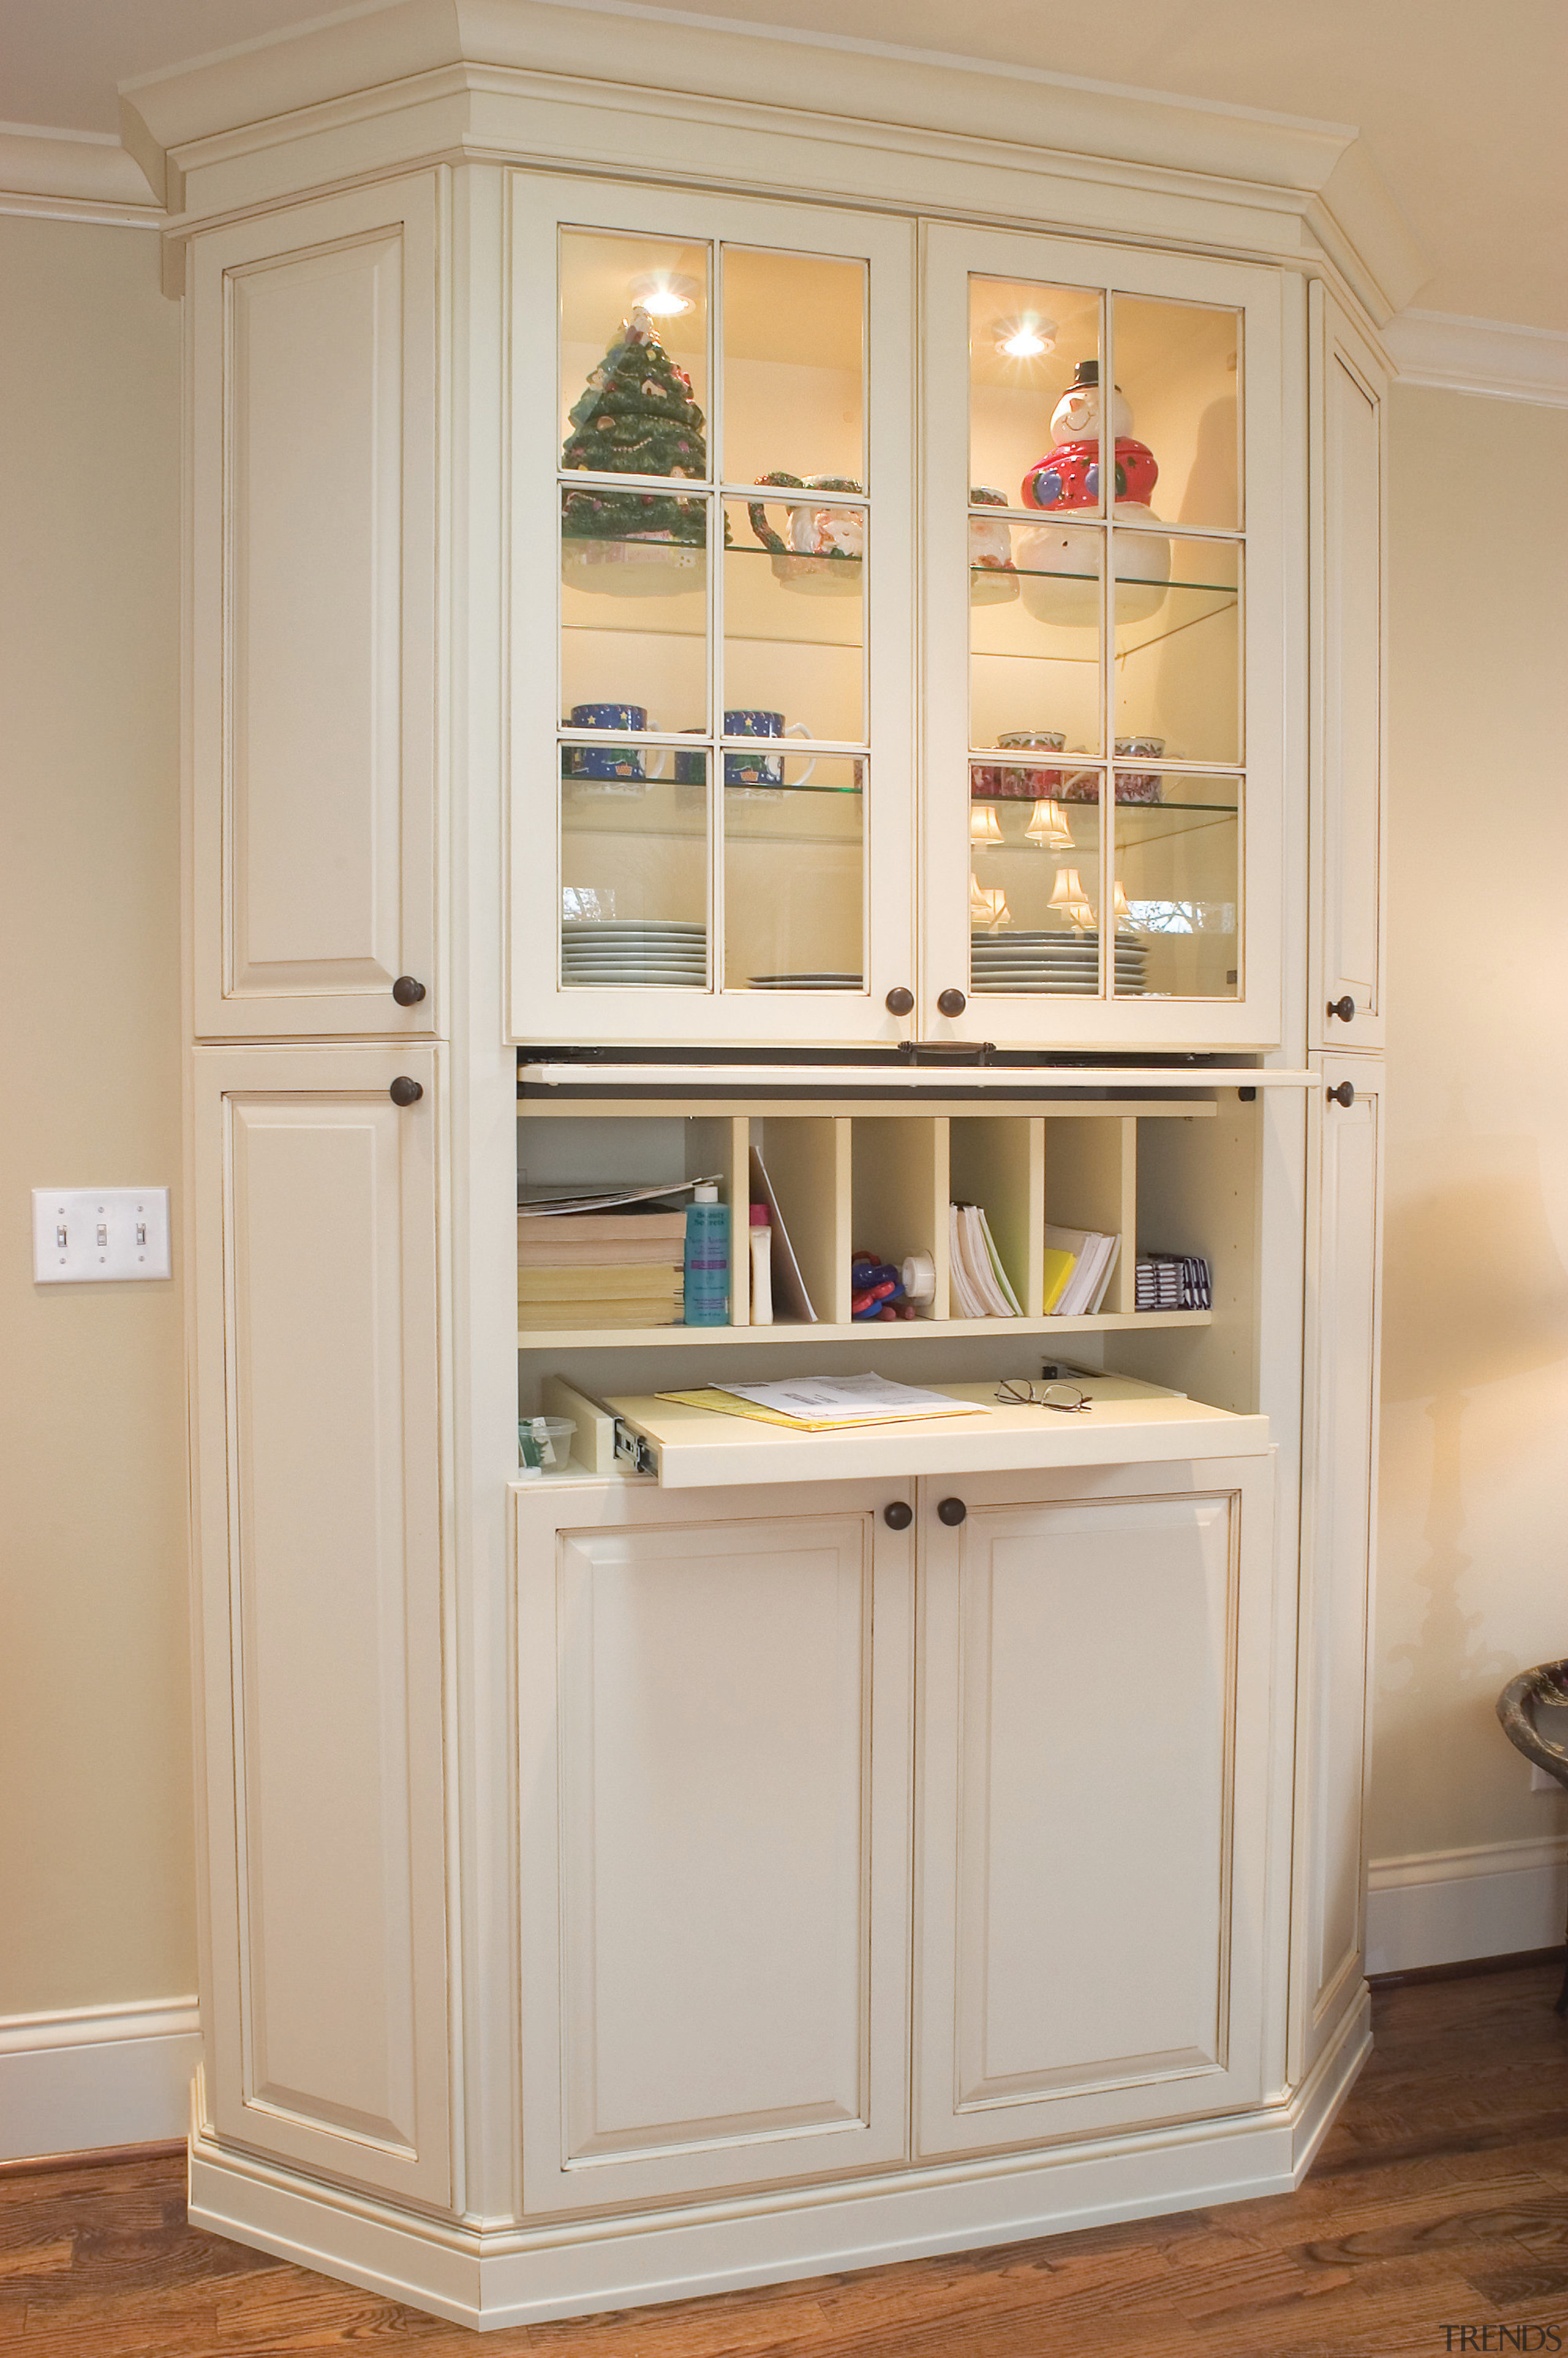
999 1163
807 1157
1091 1182
899 1195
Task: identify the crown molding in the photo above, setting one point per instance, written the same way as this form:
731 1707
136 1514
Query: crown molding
367 63
1485 356
84 176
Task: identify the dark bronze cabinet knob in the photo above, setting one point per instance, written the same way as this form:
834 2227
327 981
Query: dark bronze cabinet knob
899 1516
1344 1095
404 1092
952 1002
407 990
900 1001
1344 1007
951 1510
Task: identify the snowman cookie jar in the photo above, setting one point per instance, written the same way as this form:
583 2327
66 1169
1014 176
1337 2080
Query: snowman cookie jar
1064 482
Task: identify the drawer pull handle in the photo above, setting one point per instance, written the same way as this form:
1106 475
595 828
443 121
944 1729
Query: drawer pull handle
408 990
404 1092
1344 1007
1344 1095
899 1516
951 1512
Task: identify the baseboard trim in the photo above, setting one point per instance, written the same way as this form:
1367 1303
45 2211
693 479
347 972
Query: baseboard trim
1443 1907
96 2078
488 2279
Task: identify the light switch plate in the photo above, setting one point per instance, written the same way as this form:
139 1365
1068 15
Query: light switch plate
84 1235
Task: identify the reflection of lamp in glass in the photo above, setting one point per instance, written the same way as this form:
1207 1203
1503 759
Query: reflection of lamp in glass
984 827
664 294
1048 827
988 908
1122 913
1067 895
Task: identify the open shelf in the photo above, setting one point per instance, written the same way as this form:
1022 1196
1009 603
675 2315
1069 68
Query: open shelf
857 1330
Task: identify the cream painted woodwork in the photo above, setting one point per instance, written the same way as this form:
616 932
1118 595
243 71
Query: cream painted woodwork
1157 1022
714 1780
542 1008
1094 1771
319 1464
1339 1542
313 351
1348 392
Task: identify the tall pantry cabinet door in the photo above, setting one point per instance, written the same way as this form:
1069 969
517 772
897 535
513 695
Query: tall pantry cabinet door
318 1472
313 353
1349 767
714 1782
1094 1766
1337 1547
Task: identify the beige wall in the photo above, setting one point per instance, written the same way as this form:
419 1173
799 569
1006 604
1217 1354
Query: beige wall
96 1865
1473 1555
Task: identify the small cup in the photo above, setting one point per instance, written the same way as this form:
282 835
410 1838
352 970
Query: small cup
991 781
759 769
627 764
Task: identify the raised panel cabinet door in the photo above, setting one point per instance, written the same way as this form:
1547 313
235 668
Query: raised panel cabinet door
714 1804
1093 1766
313 616
1339 1541
318 1462
1349 764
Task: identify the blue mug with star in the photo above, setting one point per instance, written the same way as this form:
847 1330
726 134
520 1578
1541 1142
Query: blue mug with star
759 769
628 763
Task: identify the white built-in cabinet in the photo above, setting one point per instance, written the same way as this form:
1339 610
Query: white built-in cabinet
622 1885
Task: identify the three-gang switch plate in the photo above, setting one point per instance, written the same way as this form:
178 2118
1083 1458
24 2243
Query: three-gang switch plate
82 1234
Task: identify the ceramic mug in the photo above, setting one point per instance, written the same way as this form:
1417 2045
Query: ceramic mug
760 768
627 764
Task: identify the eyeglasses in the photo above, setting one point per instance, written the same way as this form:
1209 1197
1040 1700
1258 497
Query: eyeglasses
1066 1397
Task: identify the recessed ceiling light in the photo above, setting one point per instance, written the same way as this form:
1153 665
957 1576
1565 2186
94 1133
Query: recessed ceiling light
1024 339
664 294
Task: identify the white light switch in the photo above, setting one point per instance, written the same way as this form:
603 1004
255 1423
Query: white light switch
81 1233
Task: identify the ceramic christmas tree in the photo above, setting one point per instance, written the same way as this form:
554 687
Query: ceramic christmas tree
634 416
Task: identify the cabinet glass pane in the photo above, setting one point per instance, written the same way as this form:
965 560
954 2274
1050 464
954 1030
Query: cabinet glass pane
794 870
1178 645
1177 374
1034 637
633 629
1035 353
1176 863
633 364
794 369
1035 878
794 621
634 865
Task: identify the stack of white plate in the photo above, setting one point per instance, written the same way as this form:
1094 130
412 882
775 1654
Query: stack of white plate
806 982
1059 962
597 953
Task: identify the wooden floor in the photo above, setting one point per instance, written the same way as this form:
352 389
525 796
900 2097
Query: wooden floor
1440 2200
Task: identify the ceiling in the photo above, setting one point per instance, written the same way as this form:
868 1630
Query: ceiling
1463 114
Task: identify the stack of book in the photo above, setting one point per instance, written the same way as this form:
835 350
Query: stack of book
977 1284
622 1268
1173 1281
1079 1267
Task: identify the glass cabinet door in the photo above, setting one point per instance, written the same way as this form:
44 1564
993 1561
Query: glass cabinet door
1105 652
712 774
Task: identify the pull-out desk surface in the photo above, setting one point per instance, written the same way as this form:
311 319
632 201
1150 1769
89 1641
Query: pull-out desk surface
1128 1422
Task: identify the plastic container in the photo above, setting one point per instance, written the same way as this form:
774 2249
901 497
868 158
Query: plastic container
706 1259
543 1445
761 1267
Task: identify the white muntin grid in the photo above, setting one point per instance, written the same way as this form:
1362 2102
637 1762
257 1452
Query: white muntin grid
714 490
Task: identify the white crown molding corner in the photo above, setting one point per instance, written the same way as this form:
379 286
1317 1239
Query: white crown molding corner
181 123
83 176
1442 1907
1486 356
78 2080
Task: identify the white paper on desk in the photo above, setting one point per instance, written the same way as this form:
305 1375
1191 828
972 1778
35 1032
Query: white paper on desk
851 1399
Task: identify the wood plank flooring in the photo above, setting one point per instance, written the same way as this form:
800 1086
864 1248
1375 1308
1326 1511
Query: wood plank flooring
1439 2202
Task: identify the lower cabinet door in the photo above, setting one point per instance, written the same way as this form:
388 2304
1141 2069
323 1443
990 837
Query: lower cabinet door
714 1753
318 1460
1094 1754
